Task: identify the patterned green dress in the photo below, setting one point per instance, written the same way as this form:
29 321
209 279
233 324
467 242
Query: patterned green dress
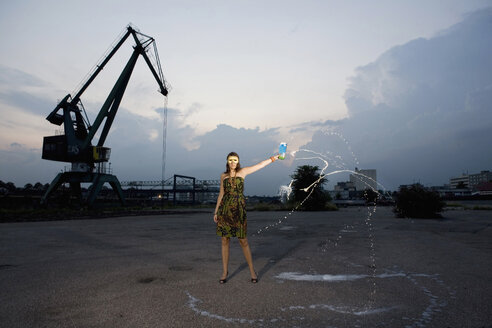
231 215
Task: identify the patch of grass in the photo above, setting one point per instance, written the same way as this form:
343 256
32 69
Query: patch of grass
453 205
267 207
29 214
52 214
469 207
285 207
331 207
481 208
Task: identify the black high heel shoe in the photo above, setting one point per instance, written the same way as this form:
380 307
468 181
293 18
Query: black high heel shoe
223 281
255 280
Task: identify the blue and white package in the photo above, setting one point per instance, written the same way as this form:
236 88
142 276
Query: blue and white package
282 149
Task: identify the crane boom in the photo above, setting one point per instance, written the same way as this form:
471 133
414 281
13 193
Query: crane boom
100 66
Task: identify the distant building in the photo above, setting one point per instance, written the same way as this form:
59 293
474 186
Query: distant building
364 179
345 186
463 180
479 178
484 188
448 191
343 190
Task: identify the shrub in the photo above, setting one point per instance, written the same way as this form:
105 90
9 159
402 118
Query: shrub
370 196
312 200
330 207
417 202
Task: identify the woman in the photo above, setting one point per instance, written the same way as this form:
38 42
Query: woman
230 211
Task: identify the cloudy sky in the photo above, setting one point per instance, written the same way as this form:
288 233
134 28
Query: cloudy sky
404 87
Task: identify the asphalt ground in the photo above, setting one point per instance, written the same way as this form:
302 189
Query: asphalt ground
358 267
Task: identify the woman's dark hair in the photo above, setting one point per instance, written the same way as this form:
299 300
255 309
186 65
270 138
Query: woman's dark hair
238 167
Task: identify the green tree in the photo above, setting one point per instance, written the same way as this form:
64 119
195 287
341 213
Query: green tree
10 186
304 177
370 195
417 202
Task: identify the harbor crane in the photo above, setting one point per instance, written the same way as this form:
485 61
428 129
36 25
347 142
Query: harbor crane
75 144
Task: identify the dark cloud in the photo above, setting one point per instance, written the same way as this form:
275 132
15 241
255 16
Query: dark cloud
136 144
15 78
428 74
136 157
16 89
309 126
27 102
423 110
22 165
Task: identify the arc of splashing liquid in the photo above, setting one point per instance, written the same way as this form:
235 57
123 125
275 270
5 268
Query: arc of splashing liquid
288 189
310 190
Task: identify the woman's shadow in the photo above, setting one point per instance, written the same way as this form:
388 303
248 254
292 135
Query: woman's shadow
273 251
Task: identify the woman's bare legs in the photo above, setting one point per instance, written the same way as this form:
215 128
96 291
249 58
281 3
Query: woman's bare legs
225 256
247 254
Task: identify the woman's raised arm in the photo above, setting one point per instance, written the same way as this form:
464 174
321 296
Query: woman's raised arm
251 169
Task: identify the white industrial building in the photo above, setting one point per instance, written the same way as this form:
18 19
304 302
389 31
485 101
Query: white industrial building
479 178
364 179
471 181
463 181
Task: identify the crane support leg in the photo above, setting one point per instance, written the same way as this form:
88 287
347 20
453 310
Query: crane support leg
99 180
115 184
76 178
57 181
